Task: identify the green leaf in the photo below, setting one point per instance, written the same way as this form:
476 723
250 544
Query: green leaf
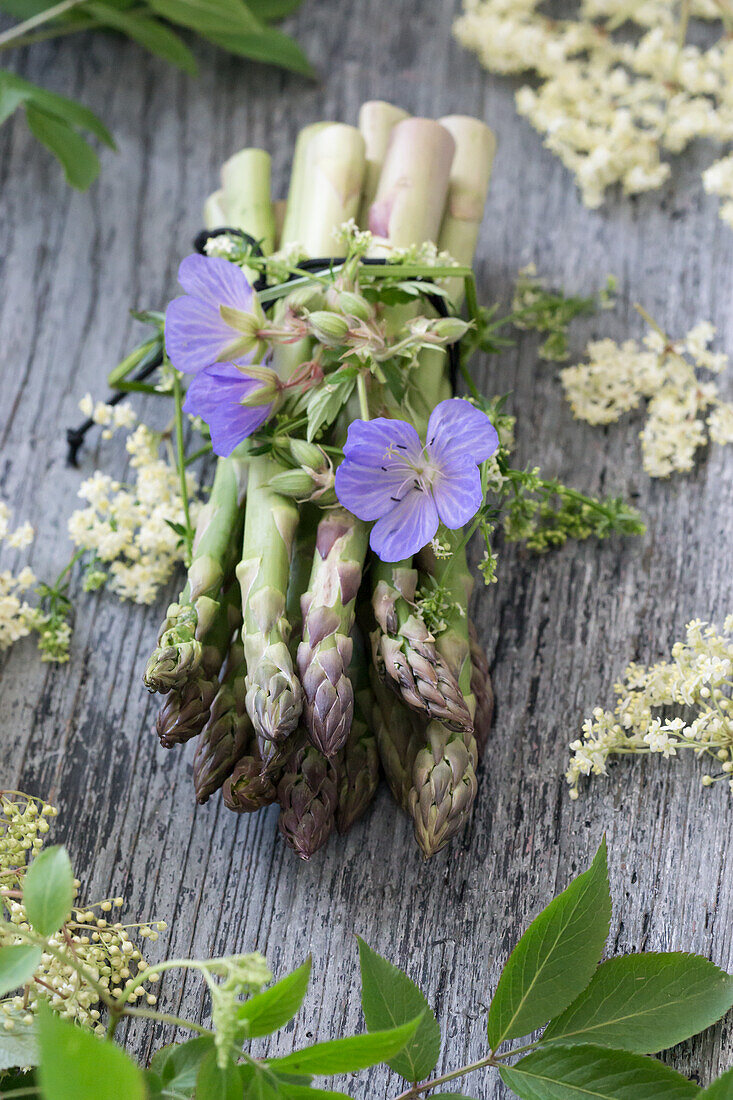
18 1047
257 1084
646 1003
216 1083
154 36
10 99
268 10
348 1055
324 404
555 958
177 1065
48 890
720 1089
58 105
78 160
76 1065
585 1072
210 16
18 964
269 46
276 1006
389 998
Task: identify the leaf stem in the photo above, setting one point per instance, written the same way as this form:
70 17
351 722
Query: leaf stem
21 29
166 1018
415 1091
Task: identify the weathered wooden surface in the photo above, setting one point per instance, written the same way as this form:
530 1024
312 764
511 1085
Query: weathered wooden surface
558 629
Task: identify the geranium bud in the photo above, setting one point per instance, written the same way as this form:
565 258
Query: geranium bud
451 329
328 328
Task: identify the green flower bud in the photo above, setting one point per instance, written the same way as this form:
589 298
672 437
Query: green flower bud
293 483
352 305
307 454
450 329
328 328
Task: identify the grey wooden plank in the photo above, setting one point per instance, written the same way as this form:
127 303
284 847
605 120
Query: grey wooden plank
558 629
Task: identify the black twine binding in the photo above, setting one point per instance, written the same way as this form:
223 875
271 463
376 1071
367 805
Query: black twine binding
75 436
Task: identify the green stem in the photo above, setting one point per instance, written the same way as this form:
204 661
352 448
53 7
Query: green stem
44 36
166 1018
37 21
66 957
181 459
205 450
417 1090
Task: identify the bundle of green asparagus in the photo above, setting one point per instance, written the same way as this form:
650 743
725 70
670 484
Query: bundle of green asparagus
323 631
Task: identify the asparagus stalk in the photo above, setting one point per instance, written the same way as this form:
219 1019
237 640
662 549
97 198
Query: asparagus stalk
334 170
298 179
246 198
251 786
186 709
481 690
273 697
376 123
400 734
308 796
328 617
177 656
443 787
357 764
228 731
413 184
405 651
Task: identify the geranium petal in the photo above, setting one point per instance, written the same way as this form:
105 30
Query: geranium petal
409 526
215 395
457 493
381 441
369 492
457 429
195 335
216 281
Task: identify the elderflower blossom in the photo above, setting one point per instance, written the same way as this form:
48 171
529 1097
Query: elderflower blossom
126 528
16 615
617 377
697 679
612 105
90 936
110 417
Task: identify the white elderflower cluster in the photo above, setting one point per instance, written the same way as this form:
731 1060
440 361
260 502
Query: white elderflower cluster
697 679
110 417
127 529
16 615
683 410
90 937
612 105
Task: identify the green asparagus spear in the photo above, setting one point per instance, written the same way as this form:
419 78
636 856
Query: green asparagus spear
357 764
328 617
252 785
274 696
443 787
228 731
186 709
308 797
405 650
218 532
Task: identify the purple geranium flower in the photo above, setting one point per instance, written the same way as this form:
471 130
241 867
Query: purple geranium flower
389 476
216 395
196 334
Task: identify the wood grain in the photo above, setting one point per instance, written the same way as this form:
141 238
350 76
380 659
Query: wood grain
558 629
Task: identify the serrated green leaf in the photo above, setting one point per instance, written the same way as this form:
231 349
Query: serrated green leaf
48 890
58 105
645 1003
389 998
348 1055
18 1047
76 1065
214 1082
18 964
154 36
78 160
585 1072
555 958
270 46
276 1006
257 1084
720 1089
